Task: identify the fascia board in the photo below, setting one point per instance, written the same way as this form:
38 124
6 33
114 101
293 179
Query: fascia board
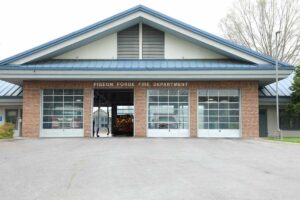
139 75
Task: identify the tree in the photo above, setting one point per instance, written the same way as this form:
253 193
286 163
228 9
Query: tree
253 23
294 105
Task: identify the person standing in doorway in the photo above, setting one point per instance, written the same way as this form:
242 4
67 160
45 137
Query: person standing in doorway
94 129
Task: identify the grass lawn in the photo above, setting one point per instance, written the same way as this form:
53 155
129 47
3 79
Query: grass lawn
286 139
4 137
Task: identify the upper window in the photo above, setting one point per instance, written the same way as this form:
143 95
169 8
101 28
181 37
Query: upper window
63 109
128 43
289 121
153 43
125 110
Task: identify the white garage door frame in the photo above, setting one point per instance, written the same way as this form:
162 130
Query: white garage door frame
168 132
220 133
48 133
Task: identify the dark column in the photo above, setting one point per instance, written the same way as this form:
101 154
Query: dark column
113 116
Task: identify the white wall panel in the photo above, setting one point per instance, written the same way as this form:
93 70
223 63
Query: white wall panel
176 48
105 48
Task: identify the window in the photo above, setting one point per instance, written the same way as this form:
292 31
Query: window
62 109
125 110
168 109
11 116
218 109
289 121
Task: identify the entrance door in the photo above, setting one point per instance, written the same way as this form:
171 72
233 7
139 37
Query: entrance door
218 113
11 116
263 132
168 113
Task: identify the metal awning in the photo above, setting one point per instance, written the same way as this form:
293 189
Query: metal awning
284 89
9 90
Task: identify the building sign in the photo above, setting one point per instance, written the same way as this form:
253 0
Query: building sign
140 84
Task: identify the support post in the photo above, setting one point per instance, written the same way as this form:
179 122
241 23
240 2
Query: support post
277 98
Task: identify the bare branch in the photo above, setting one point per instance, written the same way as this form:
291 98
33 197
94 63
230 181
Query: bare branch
253 23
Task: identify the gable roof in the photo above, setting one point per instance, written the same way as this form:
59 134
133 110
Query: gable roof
151 12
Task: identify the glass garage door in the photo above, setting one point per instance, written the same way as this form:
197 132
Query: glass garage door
168 113
62 111
218 113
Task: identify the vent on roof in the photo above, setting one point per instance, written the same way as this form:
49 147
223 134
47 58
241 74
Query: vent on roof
128 43
153 43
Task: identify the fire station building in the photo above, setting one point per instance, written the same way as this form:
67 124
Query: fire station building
140 73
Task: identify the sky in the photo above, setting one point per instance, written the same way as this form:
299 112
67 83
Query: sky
26 24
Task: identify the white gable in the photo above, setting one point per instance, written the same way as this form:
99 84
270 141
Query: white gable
176 48
98 51
105 48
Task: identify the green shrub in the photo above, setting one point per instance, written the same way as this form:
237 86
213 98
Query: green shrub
6 130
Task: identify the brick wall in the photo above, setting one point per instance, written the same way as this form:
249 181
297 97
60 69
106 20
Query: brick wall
193 109
140 106
250 109
31 109
249 105
87 111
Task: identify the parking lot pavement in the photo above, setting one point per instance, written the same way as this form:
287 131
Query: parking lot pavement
145 168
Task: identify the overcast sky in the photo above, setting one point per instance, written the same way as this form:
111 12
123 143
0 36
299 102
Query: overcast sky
28 23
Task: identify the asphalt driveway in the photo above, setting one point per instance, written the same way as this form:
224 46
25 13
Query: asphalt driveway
142 168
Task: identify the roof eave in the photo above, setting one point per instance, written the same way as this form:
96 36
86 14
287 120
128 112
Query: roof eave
263 76
271 100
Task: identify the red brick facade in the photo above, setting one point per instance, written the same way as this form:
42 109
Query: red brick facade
140 106
31 109
32 106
